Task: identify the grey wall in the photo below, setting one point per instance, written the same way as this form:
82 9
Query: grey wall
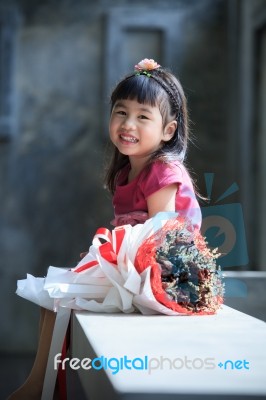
51 166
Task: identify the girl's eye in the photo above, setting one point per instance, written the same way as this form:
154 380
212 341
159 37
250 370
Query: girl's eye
143 117
121 112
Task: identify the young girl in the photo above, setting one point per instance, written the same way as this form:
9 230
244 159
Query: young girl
149 131
149 134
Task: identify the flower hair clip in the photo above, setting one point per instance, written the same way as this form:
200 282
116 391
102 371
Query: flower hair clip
146 65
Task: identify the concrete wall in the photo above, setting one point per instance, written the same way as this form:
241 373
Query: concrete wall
245 291
51 167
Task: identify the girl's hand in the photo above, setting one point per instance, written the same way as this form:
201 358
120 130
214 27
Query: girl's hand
162 200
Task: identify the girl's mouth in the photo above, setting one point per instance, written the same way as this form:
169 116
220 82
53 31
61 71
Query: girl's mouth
128 138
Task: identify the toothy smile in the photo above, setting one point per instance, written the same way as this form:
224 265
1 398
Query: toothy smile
127 138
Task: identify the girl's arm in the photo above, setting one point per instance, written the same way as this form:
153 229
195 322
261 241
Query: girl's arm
162 200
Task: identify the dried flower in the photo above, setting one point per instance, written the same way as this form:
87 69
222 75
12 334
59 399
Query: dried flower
184 272
147 65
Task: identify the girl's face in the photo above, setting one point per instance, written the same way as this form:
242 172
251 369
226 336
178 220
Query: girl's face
137 129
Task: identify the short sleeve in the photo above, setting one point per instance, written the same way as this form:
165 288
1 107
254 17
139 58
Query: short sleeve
160 175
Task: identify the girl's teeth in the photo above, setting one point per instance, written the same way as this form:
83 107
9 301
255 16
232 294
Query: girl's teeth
129 139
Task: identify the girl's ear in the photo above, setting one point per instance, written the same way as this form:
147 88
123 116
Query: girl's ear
169 131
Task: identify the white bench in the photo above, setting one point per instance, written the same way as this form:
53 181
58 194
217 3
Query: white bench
184 354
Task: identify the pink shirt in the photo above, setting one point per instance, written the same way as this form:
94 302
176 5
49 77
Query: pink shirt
130 199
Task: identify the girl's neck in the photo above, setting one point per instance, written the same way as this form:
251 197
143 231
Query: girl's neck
137 165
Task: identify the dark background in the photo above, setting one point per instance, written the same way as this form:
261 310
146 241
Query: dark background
58 63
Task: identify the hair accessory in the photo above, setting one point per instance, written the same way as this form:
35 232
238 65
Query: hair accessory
143 68
146 65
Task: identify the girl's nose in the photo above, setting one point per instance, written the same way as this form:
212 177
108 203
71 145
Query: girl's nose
128 123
